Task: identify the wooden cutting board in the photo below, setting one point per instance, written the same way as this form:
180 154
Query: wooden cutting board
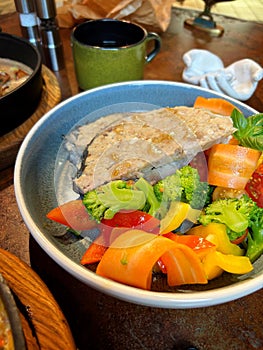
43 323
50 97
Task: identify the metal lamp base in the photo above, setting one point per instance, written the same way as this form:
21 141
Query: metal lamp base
205 24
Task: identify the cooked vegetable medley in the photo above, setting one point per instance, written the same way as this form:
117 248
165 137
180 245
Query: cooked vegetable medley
189 228
12 75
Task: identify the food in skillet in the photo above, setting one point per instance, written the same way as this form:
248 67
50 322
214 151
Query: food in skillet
179 223
12 75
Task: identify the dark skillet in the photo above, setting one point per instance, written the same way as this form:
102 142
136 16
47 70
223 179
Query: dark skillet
20 103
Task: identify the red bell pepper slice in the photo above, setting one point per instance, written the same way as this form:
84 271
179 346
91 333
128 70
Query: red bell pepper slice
112 228
74 215
133 219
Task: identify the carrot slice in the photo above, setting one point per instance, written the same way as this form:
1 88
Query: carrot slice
183 266
231 165
131 257
215 105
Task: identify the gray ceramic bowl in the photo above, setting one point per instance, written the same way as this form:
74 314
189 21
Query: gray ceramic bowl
38 186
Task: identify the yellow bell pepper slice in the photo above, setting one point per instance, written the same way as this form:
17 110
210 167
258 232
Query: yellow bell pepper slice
176 214
215 263
193 214
216 234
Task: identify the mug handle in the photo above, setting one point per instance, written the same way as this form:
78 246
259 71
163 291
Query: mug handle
157 46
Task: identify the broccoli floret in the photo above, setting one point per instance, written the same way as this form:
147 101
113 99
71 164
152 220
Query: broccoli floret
233 212
169 189
152 204
184 185
195 192
106 200
255 235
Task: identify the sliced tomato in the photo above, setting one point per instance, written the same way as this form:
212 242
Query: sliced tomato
231 165
254 187
240 239
225 192
74 215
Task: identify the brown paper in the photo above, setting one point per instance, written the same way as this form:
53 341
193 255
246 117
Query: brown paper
154 15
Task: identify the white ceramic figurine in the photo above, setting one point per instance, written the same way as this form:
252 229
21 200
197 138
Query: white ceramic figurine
239 80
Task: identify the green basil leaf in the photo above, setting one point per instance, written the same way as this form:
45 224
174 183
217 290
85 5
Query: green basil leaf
240 122
249 130
253 142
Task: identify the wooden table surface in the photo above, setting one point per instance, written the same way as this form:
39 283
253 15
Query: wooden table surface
99 321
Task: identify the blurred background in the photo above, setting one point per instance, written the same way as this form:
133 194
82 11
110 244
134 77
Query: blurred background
251 10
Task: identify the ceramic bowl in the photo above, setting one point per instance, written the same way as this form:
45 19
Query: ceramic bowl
17 105
39 187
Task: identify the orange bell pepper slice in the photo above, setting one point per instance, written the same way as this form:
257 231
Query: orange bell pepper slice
215 105
231 165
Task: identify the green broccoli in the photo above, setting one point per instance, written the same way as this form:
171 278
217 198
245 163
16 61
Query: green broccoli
152 203
233 212
106 200
255 235
184 185
195 192
169 189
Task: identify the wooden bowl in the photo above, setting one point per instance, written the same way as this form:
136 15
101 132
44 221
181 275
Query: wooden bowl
11 327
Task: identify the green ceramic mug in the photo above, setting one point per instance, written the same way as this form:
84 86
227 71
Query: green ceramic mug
108 51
